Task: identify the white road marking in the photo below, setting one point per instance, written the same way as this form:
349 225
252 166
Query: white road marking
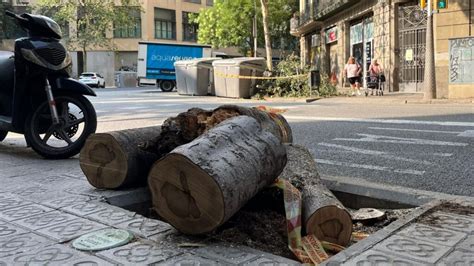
416 130
370 167
442 154
389 139
382 121
375 153
467 134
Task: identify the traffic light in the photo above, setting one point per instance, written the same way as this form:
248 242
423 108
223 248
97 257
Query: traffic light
441 4
422 4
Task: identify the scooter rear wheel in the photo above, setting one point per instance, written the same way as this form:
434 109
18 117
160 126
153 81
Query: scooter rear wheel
3 135
77 120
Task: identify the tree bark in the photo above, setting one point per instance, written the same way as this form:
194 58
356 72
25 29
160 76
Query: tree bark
200 185
114 160
266 30
323 214
189 125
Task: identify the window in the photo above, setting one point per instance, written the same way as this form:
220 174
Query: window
193 1
132 29
189 28
91 21
210 2
165 24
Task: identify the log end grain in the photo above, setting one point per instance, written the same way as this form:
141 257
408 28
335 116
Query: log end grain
332 224
185 195
103 161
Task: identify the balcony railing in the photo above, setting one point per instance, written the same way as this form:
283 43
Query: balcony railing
325 8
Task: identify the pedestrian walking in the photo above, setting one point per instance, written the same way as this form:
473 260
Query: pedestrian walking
352 71
375 68
376 79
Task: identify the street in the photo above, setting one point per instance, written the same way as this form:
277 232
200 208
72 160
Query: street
381 140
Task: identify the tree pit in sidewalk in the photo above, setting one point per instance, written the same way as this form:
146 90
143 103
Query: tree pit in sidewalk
261 225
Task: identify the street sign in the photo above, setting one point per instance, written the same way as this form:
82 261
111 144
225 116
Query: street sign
441 4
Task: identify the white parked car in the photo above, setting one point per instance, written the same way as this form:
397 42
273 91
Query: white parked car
92 79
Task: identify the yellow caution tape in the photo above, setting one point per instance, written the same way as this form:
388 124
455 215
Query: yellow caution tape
308 249
220 74
334 248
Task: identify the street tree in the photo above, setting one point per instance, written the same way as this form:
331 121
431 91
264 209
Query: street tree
229 23
92 20
266 31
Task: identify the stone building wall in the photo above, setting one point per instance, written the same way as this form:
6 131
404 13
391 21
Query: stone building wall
454 22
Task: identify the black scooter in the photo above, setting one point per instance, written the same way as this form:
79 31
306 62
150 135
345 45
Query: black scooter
37 97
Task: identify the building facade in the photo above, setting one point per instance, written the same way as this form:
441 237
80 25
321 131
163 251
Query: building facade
394 33
160 20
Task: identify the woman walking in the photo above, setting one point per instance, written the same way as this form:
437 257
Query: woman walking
352 72
375 69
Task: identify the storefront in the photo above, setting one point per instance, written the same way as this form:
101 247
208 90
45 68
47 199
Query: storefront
362 43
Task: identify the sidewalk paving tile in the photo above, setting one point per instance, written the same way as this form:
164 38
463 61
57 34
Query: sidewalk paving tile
458 258
45 220
227 254
190 260
111 216
145 227
23 212
29 191
71 229
453 221
377 258
18 243
435 235
65 201
139 253
50 255
85 208
90 261
270 260
467 244
8 229
9 201
415 249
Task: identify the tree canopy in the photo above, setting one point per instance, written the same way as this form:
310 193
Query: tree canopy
230 23
92 20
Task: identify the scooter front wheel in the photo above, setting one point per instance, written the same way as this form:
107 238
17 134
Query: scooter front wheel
3 135
77 120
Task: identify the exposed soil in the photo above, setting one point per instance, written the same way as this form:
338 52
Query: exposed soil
448 207
265 229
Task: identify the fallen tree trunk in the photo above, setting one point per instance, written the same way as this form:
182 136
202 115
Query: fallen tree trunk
200 185
114 160
189 125
323 214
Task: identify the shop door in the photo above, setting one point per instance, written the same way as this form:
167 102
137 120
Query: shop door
361 38
412 37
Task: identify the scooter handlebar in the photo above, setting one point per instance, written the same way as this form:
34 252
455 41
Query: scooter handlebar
10 14
13 15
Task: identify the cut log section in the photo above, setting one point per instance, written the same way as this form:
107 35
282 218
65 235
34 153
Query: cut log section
114 160
189 125
323 214
200 185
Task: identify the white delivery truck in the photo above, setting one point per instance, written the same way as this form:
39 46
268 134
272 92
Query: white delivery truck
156 62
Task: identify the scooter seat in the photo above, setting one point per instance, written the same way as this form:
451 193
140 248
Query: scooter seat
7 67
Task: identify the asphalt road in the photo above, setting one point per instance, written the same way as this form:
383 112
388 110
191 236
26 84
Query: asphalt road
378 139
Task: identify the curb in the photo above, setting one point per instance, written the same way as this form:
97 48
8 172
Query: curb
379 236
426 200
